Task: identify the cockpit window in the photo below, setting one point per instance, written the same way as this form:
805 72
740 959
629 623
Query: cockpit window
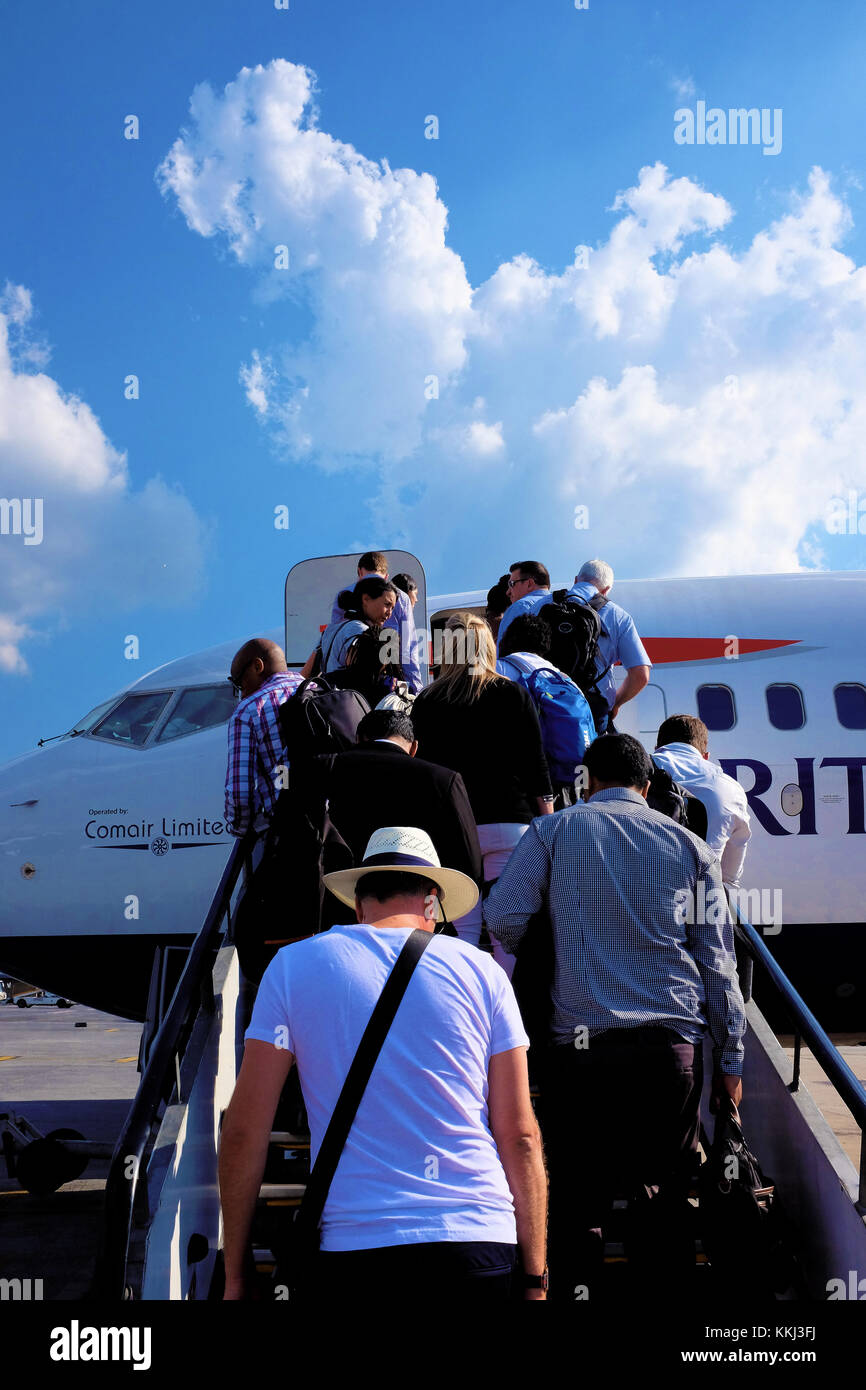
197 710
83 726
131 721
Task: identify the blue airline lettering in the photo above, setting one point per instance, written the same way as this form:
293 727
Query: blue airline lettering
854 767
763 781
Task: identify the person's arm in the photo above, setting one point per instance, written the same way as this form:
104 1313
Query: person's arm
710 941
240 777
519 891
734 851
243 1149
636 679
630 650
515 1129
402 620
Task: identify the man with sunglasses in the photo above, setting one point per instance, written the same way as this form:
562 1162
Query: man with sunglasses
263 682
528 590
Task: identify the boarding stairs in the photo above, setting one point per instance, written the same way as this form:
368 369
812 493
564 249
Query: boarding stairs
162 1236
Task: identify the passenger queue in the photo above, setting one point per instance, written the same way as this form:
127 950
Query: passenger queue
437 823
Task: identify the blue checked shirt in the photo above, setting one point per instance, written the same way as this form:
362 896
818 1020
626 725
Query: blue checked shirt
641 927
255 750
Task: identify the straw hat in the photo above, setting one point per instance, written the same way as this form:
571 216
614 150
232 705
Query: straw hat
404 849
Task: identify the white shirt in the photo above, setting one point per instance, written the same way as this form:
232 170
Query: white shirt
420 1162
506 667
728 828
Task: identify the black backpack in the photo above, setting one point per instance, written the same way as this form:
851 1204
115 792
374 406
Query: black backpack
320 720
668 796
575 628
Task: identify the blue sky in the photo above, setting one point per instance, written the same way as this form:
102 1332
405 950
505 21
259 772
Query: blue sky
728 385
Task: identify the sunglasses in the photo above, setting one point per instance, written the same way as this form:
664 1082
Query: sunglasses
236 682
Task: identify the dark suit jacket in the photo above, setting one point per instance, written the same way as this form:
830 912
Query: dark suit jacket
379 784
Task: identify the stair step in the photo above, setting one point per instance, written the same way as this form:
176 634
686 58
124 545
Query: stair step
282 1191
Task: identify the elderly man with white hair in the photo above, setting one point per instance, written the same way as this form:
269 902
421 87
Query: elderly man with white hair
619 640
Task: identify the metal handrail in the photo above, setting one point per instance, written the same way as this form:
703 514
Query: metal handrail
193 992
807 1027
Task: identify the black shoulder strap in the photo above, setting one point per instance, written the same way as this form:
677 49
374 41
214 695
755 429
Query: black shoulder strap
354 1086
336 634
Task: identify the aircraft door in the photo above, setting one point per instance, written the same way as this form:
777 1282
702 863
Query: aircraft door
312 586
644 715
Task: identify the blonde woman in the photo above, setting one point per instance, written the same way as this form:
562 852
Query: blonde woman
484 726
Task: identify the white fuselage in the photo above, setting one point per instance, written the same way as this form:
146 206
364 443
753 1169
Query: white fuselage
102 839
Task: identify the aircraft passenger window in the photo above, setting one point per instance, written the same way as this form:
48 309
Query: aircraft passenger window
785 706
199 709
716 707
131 721
851 705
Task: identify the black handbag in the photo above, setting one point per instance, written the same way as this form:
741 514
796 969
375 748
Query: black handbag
295 1264
740 1222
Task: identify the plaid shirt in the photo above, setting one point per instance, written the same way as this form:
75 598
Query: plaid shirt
641 927
255 749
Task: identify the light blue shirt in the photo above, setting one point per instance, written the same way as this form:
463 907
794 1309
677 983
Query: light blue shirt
641 927
521 606
619 640
337 640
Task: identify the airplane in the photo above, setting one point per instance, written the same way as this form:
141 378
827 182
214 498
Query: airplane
112 839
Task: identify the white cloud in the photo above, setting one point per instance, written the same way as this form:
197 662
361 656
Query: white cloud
701 403
484 440
683 87
97 543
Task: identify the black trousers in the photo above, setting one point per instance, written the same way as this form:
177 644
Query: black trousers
448 1271
620 1118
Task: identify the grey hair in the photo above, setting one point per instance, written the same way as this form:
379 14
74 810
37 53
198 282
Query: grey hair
598 572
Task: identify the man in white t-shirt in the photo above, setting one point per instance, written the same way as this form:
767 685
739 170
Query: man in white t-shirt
683 751
441 1179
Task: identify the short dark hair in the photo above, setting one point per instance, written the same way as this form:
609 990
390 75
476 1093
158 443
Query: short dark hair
528 633
404 582
684 728
532 569
382 886
385 723
373 560
498 598
619 759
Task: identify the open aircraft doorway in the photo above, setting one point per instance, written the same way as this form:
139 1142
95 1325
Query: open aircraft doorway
312 587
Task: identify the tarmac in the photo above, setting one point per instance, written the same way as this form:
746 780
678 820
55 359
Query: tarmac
57 1076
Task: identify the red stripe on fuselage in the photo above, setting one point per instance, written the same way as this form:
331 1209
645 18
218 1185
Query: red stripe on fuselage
664 650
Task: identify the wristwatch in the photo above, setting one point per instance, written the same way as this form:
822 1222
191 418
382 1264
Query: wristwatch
535 1281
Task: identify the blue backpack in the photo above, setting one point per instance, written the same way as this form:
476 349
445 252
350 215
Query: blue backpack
567 725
